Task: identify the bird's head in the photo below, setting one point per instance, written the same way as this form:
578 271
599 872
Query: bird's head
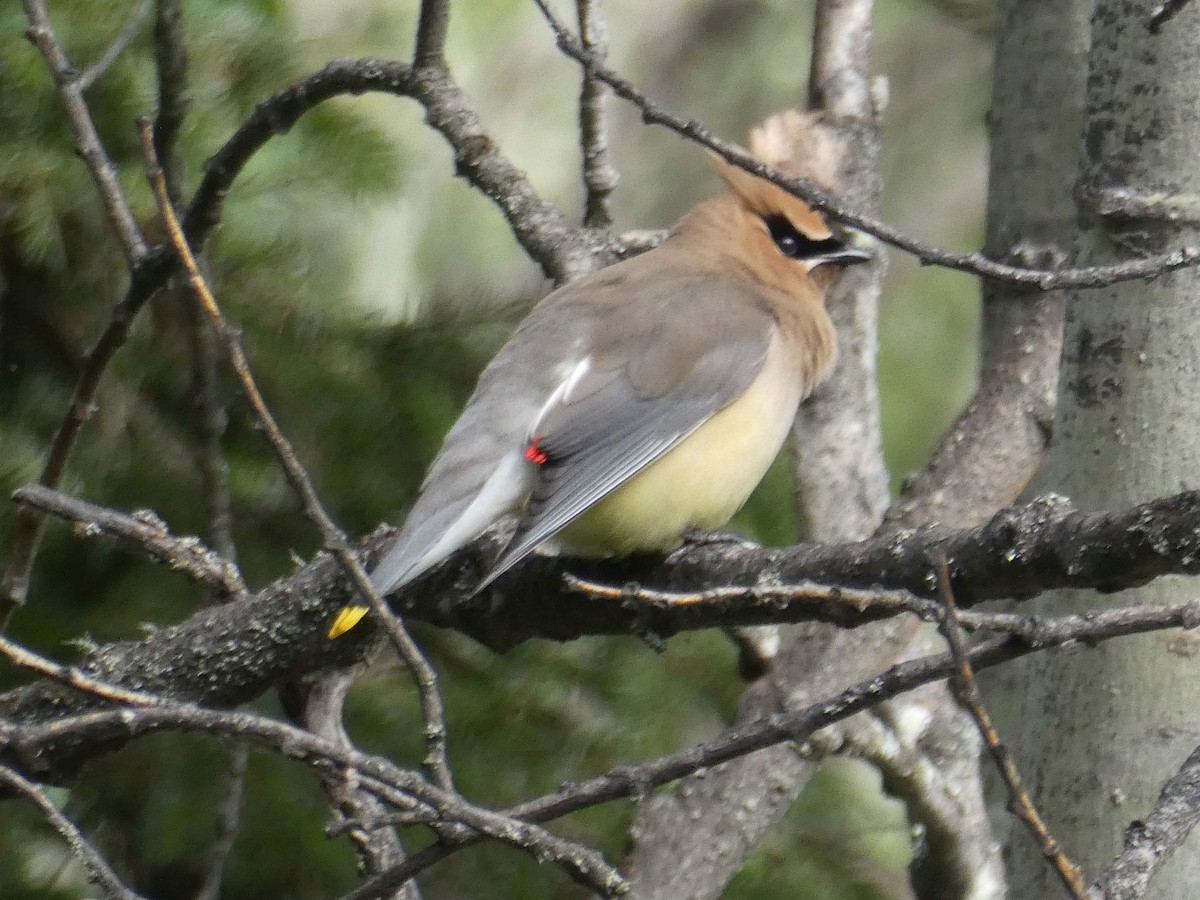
780 234
768 233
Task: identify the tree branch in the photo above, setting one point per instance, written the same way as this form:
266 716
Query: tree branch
637 780
335 541
70 91
393 784
564 251
99 871
230 654
599 175
1150 842
974 263
125 37
145 531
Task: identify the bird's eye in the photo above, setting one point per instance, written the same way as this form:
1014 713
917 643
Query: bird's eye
791 243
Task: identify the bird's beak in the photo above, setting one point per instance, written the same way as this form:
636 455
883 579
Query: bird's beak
843 254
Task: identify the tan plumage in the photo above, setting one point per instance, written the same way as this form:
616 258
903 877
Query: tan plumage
645 399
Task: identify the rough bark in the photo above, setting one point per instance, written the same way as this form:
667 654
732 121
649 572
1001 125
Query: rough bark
1103 731
230 654
1033 127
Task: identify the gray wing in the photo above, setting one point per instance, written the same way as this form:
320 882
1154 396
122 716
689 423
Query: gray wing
658 375
483 448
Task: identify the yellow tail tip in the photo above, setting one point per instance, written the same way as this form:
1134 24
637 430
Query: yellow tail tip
346 618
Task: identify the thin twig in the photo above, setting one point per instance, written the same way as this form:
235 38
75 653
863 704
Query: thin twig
974 263
786 596
858 599
317 702
379 775
87 141
335 540
968 690
146 531
31 525
99 871
73 677
41 741
229 814
143 713
123 39
599 175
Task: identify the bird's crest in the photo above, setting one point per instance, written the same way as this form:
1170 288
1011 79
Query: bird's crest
799 145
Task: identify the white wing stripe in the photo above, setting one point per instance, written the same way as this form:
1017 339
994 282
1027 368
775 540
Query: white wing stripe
562 393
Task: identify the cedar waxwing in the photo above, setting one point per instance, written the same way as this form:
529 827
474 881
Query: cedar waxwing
643 400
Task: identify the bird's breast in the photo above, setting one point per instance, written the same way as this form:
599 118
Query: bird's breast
702 481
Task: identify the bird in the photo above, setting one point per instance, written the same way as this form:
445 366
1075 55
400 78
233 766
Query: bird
643 401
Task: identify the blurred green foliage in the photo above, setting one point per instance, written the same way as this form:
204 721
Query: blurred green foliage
371 287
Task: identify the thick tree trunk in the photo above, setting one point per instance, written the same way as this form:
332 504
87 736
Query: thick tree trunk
1035 120
1034 126
1102 729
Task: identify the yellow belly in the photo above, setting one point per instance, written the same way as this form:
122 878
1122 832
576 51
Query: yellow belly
700 483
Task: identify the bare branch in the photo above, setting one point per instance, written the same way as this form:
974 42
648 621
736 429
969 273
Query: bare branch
638 780
976 263
434 21
147 532
87 141
229 814
125 37
599 176
1151 841
1020 552
73 677
230 654
391 782
968 691
98 868
145 713
335 540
